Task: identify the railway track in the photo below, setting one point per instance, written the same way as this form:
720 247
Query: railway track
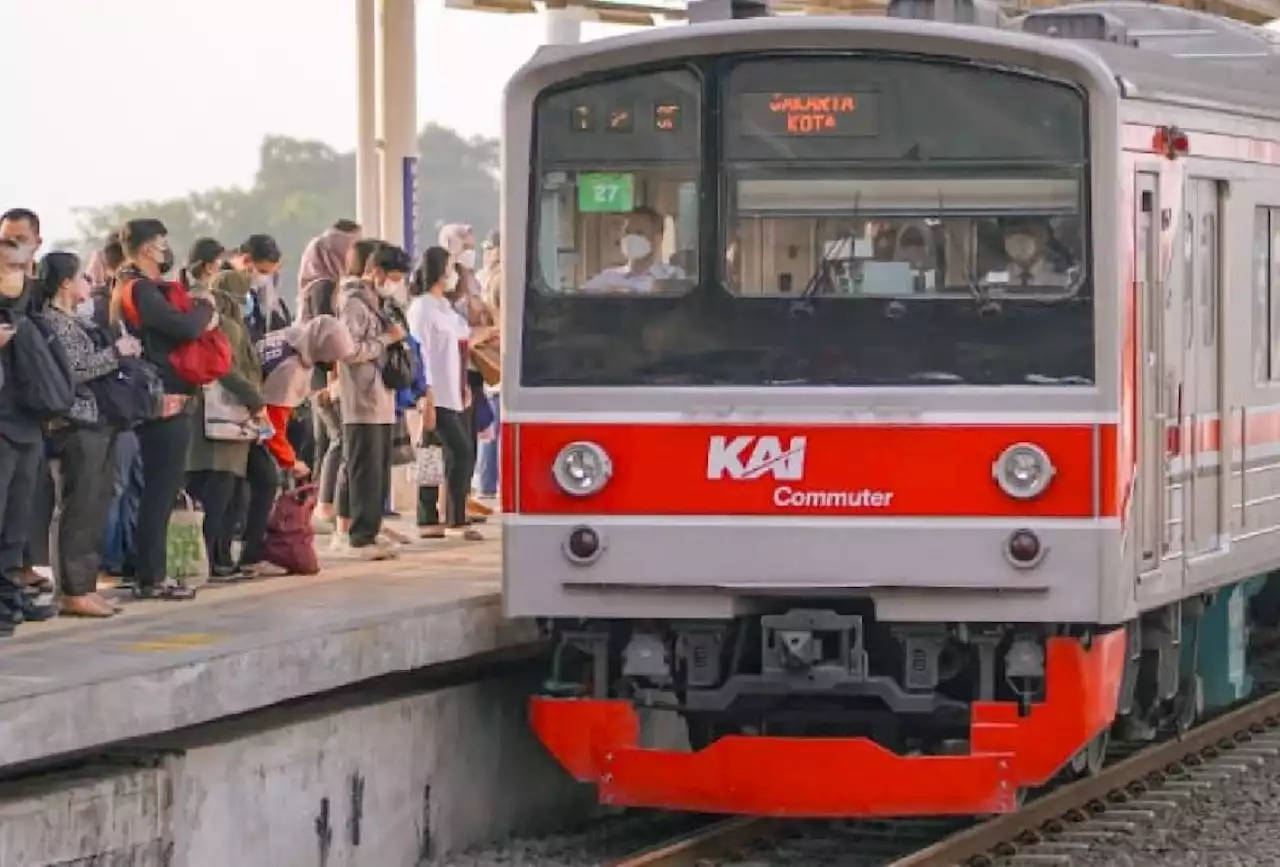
1049 830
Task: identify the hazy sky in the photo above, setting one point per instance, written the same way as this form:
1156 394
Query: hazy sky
212 77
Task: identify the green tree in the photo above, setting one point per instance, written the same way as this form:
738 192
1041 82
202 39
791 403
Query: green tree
301 187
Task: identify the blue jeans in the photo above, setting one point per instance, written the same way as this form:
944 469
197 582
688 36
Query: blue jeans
491 452
122 516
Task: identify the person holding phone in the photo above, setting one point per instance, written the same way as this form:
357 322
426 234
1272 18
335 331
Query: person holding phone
21 439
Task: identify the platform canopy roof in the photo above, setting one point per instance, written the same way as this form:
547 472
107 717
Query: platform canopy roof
648 12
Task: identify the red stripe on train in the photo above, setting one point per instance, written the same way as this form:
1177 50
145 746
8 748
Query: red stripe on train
828 470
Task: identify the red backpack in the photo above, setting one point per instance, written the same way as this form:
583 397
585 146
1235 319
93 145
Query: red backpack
197 362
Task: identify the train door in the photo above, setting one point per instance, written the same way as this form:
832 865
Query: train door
1205 461
1175 319
1151 410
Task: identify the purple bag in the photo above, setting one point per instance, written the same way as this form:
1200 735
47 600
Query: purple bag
291 540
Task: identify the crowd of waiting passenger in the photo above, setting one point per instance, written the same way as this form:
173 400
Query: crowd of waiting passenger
135 395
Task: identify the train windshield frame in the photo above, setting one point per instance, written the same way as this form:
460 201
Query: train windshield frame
808 222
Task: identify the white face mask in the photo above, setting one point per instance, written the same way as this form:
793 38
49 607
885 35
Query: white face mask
392 289
451 280
85 309
263 283
1021 248
635 247
467 259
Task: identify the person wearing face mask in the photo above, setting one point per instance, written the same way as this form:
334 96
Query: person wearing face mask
81 445
20 442
367 405
468 297
443 335
204 262
265 311
22 226
161 327
1026 243
328 405
641 246
216 469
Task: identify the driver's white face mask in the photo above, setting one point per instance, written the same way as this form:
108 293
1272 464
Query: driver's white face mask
1022 249
635 247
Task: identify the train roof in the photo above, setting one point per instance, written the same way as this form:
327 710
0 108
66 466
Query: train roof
1166 52
1159 52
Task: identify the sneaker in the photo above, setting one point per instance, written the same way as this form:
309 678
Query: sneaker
323 526
431 531
340 543
467 534
394 535
375 552
386 543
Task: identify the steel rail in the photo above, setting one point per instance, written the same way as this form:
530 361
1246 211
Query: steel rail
982 841
714 840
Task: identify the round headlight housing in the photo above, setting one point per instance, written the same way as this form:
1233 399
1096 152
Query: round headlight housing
582 469
1023 471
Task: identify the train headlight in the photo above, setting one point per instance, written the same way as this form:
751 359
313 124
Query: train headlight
582 468
1023 471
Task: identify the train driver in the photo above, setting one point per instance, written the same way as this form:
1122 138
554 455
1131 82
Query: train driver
641 247
1026 243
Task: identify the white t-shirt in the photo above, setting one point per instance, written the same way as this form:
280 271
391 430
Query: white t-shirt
620 279
439 329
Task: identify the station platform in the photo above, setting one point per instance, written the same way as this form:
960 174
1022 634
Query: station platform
71 685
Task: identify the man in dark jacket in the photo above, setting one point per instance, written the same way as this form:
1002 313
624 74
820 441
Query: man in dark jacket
258 258
21 439
161 327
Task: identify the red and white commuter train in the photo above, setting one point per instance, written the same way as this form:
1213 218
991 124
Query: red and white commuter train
896 401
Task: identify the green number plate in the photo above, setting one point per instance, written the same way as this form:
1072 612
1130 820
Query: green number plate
605 193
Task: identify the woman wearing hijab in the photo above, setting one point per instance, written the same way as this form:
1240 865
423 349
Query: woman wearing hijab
324 264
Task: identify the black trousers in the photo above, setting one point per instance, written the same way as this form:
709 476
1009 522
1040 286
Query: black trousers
367 456
263 476
219 493
163 444
216 492
36 552
83 467
459 463
18 466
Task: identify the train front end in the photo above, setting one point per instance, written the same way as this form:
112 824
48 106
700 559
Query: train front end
811 403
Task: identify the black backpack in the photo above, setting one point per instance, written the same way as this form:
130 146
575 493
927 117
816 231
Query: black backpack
129 395
43 384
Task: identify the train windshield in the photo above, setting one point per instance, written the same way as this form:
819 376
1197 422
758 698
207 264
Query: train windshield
844 221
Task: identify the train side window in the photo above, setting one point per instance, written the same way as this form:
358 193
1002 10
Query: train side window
1266 289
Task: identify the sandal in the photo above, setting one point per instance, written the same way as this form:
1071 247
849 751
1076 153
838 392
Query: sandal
169 590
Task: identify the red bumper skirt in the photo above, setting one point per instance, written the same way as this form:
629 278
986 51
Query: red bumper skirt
596 740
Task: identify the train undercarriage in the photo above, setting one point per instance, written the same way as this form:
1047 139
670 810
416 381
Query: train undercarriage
814 708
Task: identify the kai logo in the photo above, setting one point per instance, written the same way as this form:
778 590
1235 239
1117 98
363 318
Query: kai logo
753 457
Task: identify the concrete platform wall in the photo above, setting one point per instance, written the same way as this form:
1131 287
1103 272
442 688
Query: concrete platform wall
388 784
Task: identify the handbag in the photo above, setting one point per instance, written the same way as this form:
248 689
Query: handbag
186 557
291 540
226 419
428 466
487 359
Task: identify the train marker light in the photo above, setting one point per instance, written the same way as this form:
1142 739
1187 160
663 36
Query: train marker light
582 468
1023 549
582 546
1170 142
1023 471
